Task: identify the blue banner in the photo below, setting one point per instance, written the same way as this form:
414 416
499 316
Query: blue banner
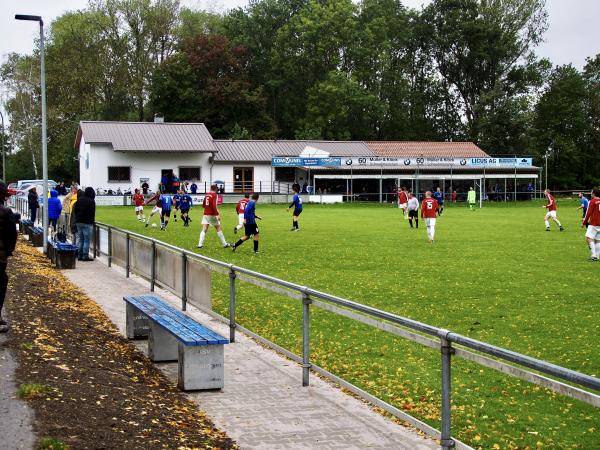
296 161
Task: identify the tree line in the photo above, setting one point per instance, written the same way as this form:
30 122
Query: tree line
312 69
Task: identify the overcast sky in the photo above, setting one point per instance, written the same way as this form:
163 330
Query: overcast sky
573 35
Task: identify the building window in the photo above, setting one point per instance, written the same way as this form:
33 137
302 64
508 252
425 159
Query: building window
189 173
119 174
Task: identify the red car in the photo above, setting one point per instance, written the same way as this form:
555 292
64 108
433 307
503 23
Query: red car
11 189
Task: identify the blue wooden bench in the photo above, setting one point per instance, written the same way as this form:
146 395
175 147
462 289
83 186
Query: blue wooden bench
173 335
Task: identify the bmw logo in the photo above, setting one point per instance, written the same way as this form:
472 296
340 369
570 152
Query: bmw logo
348 162
463 162
407 162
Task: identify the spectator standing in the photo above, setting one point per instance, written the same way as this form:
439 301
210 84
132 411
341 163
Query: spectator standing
145 188
194 188
85 215
454 196
32 200
54 209
8 240
76 191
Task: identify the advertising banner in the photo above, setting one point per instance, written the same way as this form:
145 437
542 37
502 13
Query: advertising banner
373 161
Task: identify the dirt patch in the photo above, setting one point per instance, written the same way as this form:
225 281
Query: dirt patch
99 391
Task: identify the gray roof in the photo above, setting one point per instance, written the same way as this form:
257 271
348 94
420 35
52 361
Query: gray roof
254 151
147 136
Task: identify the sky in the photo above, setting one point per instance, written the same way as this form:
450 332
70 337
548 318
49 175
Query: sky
573 34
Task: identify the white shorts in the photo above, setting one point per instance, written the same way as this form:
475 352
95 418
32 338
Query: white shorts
210 220
593 232
156 209
430 222
139 208
551 214
402 205
241 219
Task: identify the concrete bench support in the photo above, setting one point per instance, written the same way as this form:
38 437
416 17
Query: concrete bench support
201 367
136 323
162 346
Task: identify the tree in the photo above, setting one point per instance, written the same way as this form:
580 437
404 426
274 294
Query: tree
477 43
208 82
560 126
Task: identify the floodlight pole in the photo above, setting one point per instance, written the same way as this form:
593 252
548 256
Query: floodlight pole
44 129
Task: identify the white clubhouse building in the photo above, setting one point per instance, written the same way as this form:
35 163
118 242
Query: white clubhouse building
124 155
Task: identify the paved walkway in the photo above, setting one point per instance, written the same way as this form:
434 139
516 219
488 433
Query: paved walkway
16 417
263 404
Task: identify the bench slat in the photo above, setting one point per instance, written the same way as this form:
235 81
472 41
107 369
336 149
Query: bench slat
180 325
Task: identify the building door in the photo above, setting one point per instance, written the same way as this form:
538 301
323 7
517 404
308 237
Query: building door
243 179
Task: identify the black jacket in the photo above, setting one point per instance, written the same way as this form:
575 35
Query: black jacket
8 233
32 199
85 206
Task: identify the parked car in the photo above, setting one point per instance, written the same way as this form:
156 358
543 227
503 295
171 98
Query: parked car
52 183
12 189
23 191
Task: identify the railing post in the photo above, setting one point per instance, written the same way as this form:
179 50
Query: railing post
446 441
153 266
127 256
95 229
109 247
305 338
183 282
232 277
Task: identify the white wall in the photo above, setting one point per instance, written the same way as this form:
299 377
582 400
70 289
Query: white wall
262 175
143 165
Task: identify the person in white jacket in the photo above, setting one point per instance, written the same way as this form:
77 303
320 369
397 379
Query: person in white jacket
413 210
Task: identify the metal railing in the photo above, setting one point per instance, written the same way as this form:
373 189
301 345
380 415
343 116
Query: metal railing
448 343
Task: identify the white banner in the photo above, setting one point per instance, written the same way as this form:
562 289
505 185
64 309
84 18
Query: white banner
367 161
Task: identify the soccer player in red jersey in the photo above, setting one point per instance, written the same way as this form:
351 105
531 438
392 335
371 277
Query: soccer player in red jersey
157 206
429 211
138 201
551 214
239 209
403 201
211 217
592 222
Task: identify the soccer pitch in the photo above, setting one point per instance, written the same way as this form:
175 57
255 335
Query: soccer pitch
493 274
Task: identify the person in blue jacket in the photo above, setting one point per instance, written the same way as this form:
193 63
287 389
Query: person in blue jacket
54 208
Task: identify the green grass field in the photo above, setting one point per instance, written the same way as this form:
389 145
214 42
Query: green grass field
493 274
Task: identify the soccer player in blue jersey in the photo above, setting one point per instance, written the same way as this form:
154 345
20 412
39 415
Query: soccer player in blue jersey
297 204
250 227
439 198
185 204
584 203
167 202
176 198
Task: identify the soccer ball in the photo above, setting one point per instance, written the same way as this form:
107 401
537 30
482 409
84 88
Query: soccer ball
153 225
